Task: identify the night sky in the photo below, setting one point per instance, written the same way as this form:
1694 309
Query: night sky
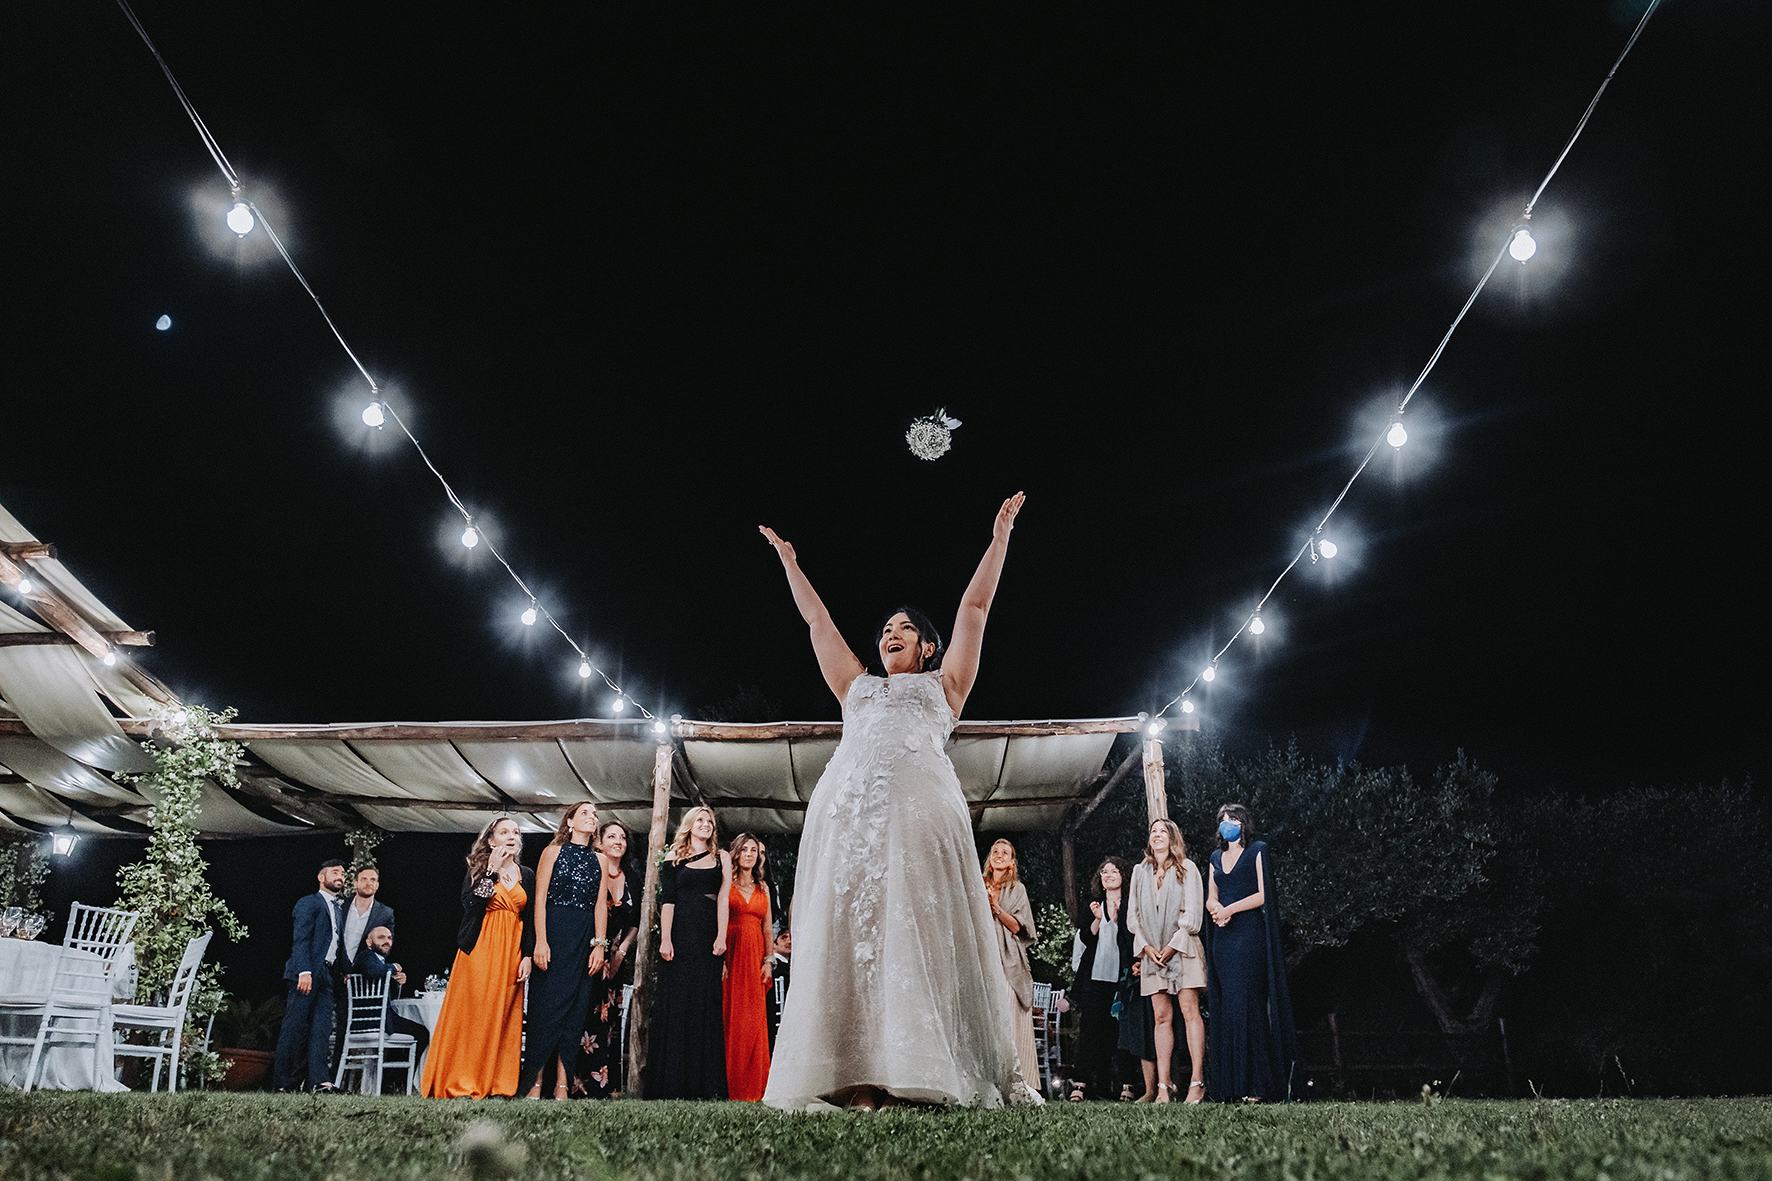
642 280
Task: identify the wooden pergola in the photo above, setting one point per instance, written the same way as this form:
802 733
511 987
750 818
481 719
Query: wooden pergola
74 708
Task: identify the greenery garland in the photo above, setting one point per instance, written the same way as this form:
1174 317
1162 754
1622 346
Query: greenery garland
23 870
362 841
168 887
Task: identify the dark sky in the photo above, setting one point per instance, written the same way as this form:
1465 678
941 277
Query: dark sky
643 280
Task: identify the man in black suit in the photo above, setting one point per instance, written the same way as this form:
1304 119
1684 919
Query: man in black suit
372 962
304 1048
362 914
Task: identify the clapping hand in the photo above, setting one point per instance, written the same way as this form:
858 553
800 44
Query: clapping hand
1095 909
1005 521
783 549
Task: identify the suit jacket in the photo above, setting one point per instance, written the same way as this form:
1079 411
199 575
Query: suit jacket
370 964
313 936
473 911
380 915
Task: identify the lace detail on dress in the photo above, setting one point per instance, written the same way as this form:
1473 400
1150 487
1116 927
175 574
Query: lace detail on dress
897 982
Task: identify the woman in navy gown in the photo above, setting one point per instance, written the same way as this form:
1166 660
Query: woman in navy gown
1254 1045
569 918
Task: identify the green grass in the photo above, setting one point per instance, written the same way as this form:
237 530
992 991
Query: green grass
292 1138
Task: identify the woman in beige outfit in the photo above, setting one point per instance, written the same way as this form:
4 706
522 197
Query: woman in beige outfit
1014 916
1164 915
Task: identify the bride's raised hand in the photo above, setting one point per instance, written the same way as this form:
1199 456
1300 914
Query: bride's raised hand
782 548
1005 521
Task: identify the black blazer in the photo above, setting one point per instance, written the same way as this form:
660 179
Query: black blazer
473 908
1092 938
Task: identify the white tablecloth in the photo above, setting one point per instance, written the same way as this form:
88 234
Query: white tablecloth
422 1009
26 969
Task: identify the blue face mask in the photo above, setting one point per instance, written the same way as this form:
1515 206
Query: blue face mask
1230 830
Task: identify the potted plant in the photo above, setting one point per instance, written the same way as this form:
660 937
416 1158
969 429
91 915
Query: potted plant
246 1035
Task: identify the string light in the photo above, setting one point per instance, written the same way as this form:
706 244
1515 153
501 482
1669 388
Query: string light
1209 673
618 704
1187 707
1157 726
584 669
110 657
470 537
26 586
240 218
163 323
529 616
1519 245
658 726
373 416
1256 626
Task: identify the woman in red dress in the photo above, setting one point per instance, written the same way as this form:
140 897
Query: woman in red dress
748 974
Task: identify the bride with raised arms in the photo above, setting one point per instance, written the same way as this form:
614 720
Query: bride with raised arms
898 990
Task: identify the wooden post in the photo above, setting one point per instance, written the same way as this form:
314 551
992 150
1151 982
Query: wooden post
645 953
1335 1048
1507 1056
1156 800
1067 849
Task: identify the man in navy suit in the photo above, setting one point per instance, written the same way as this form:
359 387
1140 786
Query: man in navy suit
363 913
304 1048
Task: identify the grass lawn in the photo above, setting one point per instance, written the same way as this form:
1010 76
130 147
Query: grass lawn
225 1137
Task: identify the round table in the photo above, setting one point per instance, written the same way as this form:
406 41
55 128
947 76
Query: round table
423 1008
27 968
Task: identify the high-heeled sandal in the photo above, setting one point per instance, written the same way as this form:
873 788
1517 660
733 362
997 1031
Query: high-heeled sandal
1192 1099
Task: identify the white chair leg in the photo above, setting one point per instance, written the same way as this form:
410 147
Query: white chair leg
36 1056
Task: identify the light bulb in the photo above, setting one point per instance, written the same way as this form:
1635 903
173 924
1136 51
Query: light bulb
372 415
470 537
1256 626
584 669
619 704
658 727
240 219
62 843
1522 247
1327 548
163 323
1187 707
110 657
1156 727
529 616
1396 436
26 586
1210 673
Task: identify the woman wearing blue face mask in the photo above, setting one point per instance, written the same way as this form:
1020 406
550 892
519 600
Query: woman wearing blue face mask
1254 1043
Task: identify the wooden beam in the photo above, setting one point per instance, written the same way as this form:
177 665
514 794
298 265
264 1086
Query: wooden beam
680 768
53 610
27 551
1156 800
27 639
471 805
770 731
639 1015
438 732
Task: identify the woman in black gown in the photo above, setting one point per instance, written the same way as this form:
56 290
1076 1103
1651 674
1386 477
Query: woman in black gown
1254 1045
1102 1067
568 950
599 1071
686 1056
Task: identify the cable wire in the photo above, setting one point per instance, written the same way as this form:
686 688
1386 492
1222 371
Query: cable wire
1310 543
227 170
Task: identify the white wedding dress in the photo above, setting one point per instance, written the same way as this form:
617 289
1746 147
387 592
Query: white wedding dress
896 980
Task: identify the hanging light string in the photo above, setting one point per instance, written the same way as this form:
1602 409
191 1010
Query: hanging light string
1520 245
379 410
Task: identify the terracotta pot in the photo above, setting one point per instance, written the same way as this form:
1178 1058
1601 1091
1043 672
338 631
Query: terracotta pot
248 1070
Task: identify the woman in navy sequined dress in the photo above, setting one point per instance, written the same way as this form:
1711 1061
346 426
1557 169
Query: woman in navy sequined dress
569 921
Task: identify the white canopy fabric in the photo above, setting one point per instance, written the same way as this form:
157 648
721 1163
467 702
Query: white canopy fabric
61 747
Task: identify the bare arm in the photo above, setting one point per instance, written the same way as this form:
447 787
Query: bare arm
835 660
723 907
1254 901
544 873
959 668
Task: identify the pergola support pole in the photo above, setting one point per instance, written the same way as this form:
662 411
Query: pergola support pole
645 970
1156 800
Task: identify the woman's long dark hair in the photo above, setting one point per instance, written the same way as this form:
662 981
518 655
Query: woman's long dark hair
480 852
1243 817
1120 863
927 633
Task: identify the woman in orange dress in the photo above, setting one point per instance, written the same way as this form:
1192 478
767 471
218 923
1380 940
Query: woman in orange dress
477 1048
748 974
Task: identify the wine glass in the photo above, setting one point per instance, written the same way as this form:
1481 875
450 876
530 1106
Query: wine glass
10 918
33 925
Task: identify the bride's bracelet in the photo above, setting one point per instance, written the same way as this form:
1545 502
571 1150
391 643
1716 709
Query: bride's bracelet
599 943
